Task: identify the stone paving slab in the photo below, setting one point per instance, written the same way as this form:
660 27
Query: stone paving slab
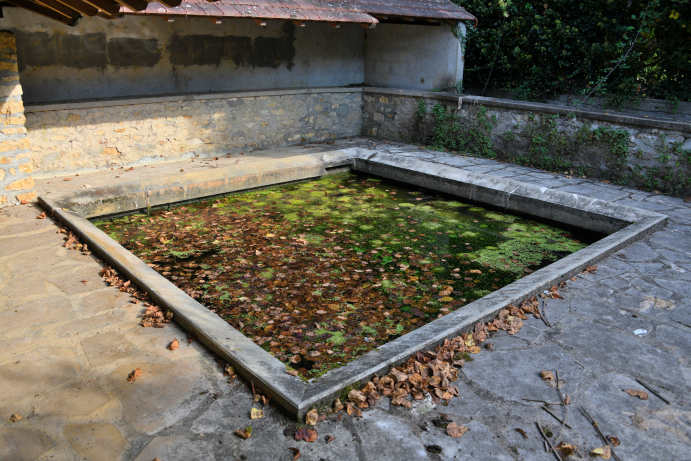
68 346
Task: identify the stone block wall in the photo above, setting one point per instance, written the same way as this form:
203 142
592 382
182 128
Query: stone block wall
68 138
16 182
639 152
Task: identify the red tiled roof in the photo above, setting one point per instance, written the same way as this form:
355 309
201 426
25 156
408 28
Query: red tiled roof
358 11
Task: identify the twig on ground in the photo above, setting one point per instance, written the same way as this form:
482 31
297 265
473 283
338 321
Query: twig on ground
599 432
566 411
542 401
647 386
548 442
556 417
543 312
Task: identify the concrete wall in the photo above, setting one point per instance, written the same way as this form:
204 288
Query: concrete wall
69 138
144 56
413 57
659 150
16 182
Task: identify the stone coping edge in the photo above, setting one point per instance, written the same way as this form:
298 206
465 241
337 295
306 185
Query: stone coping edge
29 108
298 397
651 122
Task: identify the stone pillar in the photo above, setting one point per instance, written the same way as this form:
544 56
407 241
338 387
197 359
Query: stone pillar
16 183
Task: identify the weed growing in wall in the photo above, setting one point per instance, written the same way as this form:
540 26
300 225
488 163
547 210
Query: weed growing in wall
561 148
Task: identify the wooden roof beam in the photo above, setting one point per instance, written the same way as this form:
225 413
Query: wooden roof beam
171 3
71 20
215 20
260 22
57 7
300 23
134 5
80 6
108 6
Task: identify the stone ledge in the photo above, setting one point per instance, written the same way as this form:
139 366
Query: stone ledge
659 123
30 108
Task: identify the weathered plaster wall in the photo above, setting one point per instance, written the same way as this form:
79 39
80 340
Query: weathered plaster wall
413 57
143 56
72 138
16 183
658 157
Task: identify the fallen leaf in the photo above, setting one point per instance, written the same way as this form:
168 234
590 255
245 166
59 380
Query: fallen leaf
338 406
229 370
547 375
134 375
174 345
244 433
638 393
613 440
308 435
566 449
357 397
330 438
311 417
292 372
296 451
67 179
456 431
15 417
256 413
41 216
24 202
522 432
603 452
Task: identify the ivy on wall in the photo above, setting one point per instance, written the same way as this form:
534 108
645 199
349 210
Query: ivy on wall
567 46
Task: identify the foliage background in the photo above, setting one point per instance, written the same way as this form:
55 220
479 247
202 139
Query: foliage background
567 46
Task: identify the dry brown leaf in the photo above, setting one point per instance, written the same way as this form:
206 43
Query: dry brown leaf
292 372
296 451
613 440
15 417
256 413
638 393
311 417
41 216
456 431
353 410
357 397
330 438
308 435
566 449
174 345
547 375
338 406
603 452
522 432
134 375
244 433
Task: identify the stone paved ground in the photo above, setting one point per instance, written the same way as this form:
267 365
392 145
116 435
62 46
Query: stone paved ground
69 342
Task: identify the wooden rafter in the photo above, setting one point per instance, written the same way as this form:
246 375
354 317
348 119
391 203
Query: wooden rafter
70 20
107 6
134 5
80 6
171 3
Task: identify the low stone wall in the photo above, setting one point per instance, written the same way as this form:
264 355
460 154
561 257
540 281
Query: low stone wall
16 183
69 138
641 152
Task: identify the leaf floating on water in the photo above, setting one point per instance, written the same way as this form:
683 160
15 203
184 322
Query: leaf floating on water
456 431
638 393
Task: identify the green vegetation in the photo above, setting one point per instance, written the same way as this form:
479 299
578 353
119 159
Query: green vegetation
567 46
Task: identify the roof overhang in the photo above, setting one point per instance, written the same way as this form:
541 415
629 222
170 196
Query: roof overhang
366 12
